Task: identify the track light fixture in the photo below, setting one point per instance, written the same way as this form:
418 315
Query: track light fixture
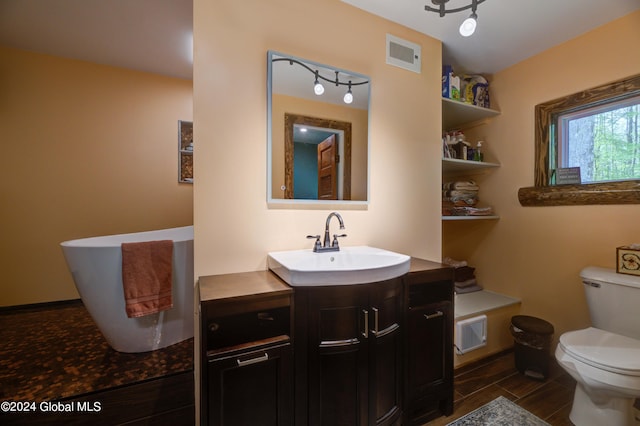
469 25
318 88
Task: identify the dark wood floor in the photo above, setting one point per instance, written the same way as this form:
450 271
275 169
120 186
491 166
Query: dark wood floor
482 382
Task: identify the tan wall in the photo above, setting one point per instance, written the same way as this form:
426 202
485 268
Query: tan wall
234 226
536 253
86 150
235 229
498 335
358 119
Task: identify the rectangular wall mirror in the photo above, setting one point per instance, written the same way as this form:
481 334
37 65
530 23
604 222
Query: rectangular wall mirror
318 132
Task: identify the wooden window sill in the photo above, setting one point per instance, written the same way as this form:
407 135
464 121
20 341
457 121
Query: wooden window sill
624 192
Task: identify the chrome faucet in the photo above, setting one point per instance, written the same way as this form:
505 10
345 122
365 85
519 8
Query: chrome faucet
328 244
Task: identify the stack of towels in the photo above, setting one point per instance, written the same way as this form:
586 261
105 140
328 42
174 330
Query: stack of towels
464 276
460 198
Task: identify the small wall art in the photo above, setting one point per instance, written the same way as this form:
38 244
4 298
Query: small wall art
185 151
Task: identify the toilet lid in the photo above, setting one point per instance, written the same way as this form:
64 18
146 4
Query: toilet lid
604 350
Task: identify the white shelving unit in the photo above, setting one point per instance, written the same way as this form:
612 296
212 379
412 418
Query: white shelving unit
452 165
492 217
456 115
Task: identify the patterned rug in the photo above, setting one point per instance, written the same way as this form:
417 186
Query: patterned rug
499 412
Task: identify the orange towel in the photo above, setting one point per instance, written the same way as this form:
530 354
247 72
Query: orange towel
146 277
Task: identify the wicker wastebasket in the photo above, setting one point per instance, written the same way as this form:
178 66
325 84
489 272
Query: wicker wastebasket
532 342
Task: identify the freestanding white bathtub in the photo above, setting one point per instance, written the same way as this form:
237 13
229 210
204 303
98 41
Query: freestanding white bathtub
96 266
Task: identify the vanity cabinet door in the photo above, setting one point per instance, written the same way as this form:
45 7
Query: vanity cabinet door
338 357
385 364
251 387
353 366
429 361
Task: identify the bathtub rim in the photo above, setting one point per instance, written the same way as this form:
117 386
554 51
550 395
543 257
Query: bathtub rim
177 234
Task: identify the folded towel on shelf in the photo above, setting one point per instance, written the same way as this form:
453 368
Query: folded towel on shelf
466 283
470 289
147 277
467 185
454 263
472 211
460 198
464 273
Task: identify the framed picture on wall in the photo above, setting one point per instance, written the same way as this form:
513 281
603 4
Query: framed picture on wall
185 151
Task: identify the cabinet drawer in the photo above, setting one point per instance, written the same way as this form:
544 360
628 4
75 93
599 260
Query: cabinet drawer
427 293
247 327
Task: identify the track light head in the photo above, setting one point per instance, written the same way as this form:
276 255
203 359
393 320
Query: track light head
318 88
348 97
468 26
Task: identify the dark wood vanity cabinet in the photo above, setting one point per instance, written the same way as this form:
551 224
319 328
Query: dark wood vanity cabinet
246 350
348 348
354 355
429 343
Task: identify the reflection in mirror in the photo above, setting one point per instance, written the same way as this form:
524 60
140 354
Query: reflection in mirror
317 143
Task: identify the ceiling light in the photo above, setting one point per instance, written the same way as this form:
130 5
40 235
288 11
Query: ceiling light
469 25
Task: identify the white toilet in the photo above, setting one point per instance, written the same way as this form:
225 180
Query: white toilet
605 358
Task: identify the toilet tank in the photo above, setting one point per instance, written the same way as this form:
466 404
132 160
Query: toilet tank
613 300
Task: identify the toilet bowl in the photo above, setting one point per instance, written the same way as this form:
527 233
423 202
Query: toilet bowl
604 359
606 367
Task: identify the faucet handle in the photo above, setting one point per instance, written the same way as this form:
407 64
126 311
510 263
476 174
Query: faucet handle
317 245
334 243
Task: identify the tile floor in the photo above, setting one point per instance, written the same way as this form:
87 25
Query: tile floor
486 380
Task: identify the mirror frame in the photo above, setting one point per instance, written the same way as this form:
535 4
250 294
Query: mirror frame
303 203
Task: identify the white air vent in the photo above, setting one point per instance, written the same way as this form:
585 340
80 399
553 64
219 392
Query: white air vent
403 54
471 334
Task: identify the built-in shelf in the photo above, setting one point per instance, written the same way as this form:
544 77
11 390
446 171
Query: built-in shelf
450 165
456 113
480 302
492 217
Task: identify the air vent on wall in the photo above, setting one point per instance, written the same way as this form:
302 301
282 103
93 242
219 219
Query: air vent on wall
404 54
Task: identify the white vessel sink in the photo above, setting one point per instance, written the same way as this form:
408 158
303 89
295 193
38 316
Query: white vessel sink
350 265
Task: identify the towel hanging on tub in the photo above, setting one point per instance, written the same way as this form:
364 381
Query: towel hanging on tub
147 277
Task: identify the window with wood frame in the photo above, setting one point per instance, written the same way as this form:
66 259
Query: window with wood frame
608 137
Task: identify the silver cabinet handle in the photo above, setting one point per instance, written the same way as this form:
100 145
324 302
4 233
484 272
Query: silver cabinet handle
436 315
375 321
262 358
338 343
393 327
365 331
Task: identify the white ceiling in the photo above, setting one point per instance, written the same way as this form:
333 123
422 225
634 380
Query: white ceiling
508 31
156 35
